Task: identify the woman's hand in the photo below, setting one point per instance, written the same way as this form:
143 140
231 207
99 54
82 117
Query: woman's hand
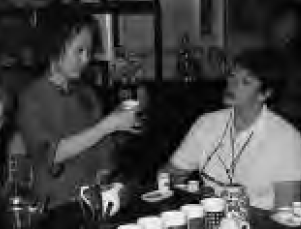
124 118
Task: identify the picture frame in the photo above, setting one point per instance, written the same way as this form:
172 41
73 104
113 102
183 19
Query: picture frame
206 17
105 46
213 22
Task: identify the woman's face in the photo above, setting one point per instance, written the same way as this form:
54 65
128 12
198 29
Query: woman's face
76 55
243 89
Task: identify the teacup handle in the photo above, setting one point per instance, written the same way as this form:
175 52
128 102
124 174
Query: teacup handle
82 195
245 225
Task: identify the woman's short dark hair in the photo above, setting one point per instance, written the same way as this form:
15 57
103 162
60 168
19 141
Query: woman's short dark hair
8 102
60 23
267 66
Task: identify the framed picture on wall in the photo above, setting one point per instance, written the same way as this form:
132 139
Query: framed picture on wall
206 17
212 22
136 33
105 46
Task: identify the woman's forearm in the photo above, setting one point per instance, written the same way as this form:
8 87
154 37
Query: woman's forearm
76 144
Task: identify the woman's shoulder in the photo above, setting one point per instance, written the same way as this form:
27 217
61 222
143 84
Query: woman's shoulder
35 89
281 127
40 92
216 116
213 121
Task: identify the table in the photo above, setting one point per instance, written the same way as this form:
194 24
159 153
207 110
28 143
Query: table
259 219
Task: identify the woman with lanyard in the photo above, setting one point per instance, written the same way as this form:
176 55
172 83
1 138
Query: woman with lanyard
246 143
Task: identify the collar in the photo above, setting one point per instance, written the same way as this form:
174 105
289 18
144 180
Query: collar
63 85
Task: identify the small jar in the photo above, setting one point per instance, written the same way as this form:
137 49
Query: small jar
163 182
237 201
193 186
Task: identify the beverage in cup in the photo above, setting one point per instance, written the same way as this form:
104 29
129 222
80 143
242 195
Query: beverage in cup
194 214
129 104
174 220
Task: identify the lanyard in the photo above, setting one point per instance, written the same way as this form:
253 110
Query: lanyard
218 146
234 159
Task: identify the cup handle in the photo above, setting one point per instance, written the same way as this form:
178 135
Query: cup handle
245 225
82 195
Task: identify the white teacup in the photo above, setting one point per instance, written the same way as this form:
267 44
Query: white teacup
150 222
174 220
234 223
193 210
194 214
214 204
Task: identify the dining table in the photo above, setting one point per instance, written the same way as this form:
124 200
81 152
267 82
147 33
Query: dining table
137 207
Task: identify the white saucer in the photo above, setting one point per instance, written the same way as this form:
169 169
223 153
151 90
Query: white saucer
155 196
183 187
287 218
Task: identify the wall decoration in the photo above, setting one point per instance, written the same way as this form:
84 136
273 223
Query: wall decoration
105 48
212 22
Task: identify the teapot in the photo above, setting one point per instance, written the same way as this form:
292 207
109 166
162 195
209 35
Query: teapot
103 200
230 222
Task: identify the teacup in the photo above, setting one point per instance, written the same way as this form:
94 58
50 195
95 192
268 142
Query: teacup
234 223
174 220
194 214
111 199
150 222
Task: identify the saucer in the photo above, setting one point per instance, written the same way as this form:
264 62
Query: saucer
157 195
286 217
183 187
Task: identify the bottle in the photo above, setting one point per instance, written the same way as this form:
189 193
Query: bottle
185 63
164 182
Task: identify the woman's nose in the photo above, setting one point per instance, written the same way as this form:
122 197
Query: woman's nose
85 57
232 82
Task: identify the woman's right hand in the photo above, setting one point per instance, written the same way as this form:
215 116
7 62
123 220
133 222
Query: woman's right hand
122 119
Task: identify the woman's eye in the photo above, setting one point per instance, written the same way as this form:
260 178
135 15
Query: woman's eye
231 76
81 50
247 81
